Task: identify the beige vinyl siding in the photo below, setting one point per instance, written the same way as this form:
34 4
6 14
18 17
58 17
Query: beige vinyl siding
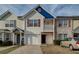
2 25
19 23
35 30
75 24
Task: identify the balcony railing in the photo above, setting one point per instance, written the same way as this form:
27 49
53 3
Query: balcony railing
48 28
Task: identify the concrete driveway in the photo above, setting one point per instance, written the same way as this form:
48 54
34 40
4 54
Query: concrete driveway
27 50
46 49
55 49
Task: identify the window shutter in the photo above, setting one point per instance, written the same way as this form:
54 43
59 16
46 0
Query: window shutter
69 23
39 23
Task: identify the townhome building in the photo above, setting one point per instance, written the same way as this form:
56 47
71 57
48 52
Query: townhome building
37 27
34 28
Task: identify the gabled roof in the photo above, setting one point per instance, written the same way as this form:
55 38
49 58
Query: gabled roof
5 14
38 8
18 29
41 11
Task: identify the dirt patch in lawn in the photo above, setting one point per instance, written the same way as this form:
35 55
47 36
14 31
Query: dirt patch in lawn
54 49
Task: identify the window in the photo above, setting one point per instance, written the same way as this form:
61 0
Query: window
62 36
10 23
65 35
62 23
7 36
65 23
6 25
30 23
37 23
33 23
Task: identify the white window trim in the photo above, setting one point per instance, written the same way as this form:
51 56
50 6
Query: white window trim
9 22
33 23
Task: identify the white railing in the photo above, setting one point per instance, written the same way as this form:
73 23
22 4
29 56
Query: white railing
48 28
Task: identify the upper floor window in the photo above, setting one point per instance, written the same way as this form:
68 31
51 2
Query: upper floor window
62 23
33 23
10 23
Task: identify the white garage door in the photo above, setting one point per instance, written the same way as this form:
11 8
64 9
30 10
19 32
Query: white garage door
34 39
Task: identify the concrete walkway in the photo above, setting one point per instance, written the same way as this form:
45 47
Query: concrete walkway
27 50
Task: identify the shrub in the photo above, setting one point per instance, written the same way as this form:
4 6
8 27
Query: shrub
1 42
7 43
57 42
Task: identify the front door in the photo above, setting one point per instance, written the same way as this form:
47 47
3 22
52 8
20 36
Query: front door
43 39
18 38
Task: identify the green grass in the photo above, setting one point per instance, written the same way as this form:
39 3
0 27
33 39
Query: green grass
9 50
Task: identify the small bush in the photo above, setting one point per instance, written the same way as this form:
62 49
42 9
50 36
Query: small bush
7 43
57 42
1 42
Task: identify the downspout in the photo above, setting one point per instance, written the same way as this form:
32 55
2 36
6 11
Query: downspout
54 30
24 31
72 27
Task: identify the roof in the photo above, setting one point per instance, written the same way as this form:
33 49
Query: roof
38 8
4 30
5 14
18 29
68 17
43 12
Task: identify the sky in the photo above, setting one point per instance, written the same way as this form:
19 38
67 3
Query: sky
54 9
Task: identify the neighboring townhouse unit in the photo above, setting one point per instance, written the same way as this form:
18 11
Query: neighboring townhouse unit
75 25
11 27
67 26
34 28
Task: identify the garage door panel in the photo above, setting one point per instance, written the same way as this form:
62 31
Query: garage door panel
34 39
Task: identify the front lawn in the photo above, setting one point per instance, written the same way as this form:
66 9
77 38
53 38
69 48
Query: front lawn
9 50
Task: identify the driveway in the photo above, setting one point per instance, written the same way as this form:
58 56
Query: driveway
29 49
44 49
55 49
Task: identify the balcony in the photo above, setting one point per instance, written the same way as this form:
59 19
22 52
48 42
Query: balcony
48 28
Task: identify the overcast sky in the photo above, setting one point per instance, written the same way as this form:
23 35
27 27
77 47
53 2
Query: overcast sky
54 9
